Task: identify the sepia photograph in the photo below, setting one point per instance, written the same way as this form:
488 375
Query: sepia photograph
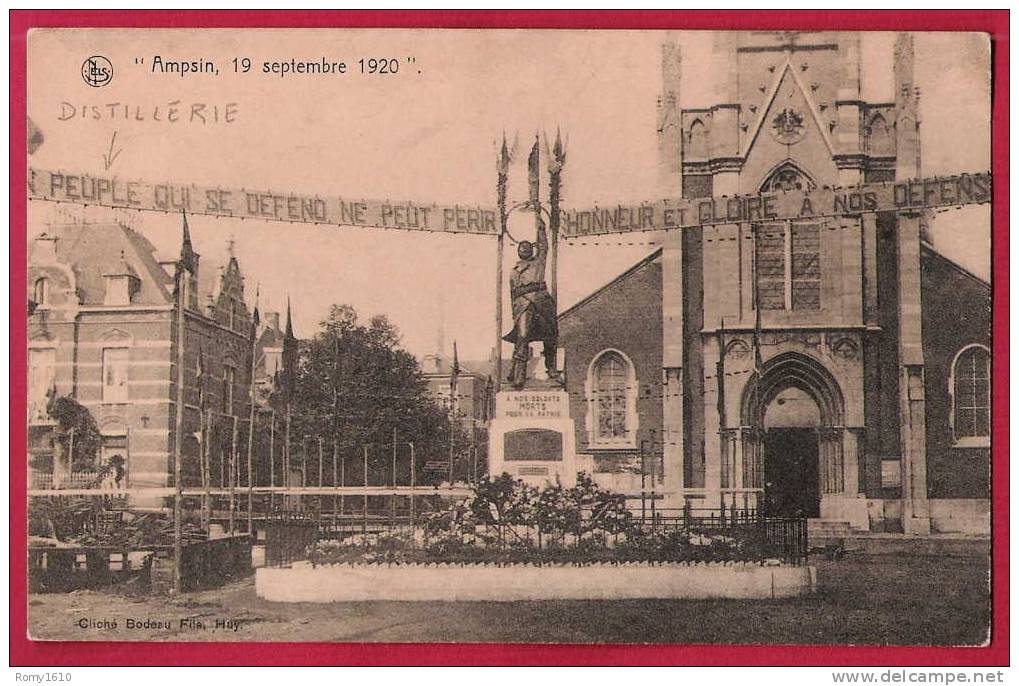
509 336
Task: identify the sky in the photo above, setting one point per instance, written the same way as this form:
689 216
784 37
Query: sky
429 133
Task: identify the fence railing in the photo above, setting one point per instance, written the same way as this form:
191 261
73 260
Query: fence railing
580 536
102 480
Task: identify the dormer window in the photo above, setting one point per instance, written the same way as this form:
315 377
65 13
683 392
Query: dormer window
121 283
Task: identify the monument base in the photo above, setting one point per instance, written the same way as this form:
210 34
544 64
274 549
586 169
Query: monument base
532 437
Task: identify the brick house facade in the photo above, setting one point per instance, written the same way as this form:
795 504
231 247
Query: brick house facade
103 331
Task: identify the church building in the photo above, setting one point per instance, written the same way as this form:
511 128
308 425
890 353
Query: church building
836 368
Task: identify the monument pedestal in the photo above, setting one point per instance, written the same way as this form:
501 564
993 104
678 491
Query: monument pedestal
532 436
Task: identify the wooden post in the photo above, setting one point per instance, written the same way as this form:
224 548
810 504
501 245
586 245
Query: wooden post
233 473
183 282
413 485
286 457
304 462
364 498
252 417
206 475
320 461
272 458
451 449
336 449
393 500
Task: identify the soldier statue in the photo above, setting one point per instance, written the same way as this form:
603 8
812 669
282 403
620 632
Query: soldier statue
534 311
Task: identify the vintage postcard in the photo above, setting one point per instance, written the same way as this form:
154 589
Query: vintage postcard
509 336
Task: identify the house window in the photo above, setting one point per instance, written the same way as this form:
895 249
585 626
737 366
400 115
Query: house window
971 395
41 375
41 292
613 392
115 361
788 266
229 376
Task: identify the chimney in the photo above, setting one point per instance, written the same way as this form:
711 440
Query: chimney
272 320
45 251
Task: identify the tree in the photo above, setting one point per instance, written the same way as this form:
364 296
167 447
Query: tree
354 384
76 430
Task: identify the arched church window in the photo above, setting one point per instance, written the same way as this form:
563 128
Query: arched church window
787 177
698 140
613 390
879 137
971 395
788 265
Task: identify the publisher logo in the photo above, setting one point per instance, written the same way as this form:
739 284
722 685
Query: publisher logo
97 71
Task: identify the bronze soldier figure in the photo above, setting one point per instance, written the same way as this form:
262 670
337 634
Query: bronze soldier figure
534 310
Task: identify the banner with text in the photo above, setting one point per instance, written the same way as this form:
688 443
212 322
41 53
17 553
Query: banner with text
218 201
915 195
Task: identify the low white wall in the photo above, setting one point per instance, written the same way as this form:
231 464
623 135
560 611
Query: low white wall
962 516
349 583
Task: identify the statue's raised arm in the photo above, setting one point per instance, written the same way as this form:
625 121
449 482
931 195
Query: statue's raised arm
534 311
542 241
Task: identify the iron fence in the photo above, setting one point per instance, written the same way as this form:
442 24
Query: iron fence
581 536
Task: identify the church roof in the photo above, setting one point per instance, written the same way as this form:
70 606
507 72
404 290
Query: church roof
645 261
930 250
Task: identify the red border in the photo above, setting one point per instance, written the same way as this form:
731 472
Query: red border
25 652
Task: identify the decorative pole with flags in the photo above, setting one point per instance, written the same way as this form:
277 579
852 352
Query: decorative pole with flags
337 349
203 436
454 377
186 267
556 160
502 169
755 428
289 378
251 402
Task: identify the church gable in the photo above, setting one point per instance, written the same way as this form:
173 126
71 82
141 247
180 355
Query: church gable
790 127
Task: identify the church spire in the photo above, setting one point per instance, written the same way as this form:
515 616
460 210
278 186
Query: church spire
907 115
289 332
188 256
670 121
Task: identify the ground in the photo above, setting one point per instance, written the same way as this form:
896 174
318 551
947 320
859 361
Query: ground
886 599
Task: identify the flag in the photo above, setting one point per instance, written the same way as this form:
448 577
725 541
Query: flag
200 378
720 376
533 161
255 319
200 382
758 361
454 374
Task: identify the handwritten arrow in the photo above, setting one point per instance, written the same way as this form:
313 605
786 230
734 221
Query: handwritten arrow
110 157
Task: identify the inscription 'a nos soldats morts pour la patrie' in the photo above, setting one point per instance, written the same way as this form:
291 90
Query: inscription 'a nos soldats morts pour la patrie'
222 201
